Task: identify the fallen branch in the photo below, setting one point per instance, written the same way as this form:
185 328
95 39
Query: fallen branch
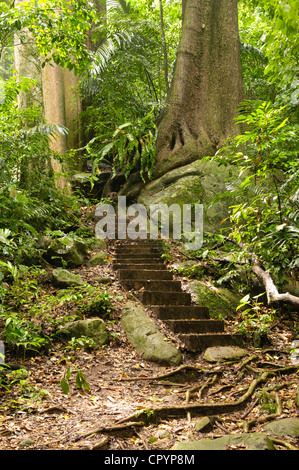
273 295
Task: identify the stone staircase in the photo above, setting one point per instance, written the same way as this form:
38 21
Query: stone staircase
140 268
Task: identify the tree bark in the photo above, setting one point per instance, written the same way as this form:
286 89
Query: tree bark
207 86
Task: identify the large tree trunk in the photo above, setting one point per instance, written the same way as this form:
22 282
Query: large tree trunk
207 86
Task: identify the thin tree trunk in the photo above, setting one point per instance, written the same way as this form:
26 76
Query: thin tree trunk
164 45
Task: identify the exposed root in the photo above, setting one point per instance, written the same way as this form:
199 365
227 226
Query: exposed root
205 409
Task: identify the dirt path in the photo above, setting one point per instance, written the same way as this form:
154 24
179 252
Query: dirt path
36 414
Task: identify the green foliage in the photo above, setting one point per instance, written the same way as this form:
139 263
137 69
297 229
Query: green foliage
125 89
80 381
265 210
268 401
9 378
273 27
132 145
254 317
60 29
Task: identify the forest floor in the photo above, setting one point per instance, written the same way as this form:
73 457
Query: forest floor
37 415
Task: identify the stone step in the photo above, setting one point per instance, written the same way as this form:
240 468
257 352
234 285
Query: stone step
132 256
198 342
144 274
195 326
153 285
164 298
180 312
138 260
131 249
131 266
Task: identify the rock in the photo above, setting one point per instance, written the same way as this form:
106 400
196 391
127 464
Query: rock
163 434
251 441
27 443
204 424
145 337
2 353
259 339
224 353
64 278
297 397
221 302
98 259
103 280
93 328
96 244
66 250
294 349
193 183
283 427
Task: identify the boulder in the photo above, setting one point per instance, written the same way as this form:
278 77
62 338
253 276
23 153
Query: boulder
145 337
93 328
66 251
284 427
197 182
63 278
224 353
98 259
249 441
204 424
294 349
96 244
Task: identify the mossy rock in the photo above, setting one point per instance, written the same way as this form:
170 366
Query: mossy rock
251 441
145 337
98 259
197 182
224 353
221 302
66 251
284 427
63 278
93 328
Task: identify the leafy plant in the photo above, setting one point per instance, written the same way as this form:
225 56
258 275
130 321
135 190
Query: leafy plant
254 316
265 211
81 343
80 381
131 146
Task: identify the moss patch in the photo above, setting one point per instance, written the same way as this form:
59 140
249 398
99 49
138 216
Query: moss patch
221 302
